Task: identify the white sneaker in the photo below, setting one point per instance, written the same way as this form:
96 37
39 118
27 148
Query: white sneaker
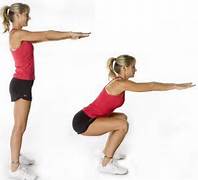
25 161
112 168
118 156
22 174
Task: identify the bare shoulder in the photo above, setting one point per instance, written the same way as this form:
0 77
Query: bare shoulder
20 33
128 85
123 83
15 40
17 34
114 87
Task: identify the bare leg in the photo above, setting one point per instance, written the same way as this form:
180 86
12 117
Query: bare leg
21 111
117 115
116 125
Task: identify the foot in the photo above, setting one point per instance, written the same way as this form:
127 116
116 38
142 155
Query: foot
22 174
26 161
117 156
112 168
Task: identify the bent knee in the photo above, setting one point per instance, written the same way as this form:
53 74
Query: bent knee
125 116
122 116
124 126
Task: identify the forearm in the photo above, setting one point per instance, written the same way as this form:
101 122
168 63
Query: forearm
57 35
157 86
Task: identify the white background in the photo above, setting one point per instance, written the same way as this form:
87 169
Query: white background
162 140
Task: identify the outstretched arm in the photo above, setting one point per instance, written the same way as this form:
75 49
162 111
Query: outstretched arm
128 85
23 35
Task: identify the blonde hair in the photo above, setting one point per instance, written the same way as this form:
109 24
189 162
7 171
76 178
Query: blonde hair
114 65
8 12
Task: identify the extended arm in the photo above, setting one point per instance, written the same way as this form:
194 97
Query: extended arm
152 86
23 35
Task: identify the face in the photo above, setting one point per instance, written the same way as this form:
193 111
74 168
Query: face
130 71
23 18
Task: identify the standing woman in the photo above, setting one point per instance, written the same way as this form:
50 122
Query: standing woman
21 84
98 117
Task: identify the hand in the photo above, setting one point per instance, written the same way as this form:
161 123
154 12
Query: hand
78 35
184 86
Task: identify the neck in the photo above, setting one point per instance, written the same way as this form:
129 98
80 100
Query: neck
123 76
16 26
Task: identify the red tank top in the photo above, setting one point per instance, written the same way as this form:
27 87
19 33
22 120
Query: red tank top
24 61
104 104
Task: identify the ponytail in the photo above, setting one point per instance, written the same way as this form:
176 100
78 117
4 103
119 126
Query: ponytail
6 19
8 12
110 62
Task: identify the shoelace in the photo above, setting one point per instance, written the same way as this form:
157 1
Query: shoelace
115 164
120 156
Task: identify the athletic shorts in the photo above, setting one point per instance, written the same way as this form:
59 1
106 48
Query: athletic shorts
21 89
81 122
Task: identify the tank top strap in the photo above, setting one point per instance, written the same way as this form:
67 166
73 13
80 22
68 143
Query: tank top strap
114 79
12 29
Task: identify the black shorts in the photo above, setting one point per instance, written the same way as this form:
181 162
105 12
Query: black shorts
21 89
81 122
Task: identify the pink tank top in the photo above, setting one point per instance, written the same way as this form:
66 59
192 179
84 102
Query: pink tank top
24 61
104 104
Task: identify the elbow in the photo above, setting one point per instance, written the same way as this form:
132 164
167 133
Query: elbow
47 35
152 86
155 86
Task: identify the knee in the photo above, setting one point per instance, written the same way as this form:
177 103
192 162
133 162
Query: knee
124 116
124 126
19 129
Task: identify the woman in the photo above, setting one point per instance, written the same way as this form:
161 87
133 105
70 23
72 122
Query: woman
21 48
98 117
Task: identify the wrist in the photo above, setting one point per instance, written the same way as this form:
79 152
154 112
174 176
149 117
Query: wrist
70 34
174 86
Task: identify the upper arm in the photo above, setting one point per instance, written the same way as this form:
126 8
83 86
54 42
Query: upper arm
128 85
24 35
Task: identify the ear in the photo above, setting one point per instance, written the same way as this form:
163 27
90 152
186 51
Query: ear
17 15
124 68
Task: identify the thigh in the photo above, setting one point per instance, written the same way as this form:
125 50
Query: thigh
21 111
119 115
103 125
